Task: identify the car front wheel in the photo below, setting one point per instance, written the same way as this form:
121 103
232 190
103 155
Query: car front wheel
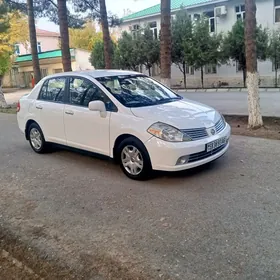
134 159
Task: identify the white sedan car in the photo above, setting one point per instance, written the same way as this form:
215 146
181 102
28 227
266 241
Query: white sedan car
126 116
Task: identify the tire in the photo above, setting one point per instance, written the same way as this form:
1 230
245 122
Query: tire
132 151
37 139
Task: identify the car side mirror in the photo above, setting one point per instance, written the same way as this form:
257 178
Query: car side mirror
98 106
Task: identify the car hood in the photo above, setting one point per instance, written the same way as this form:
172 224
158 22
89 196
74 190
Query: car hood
183 114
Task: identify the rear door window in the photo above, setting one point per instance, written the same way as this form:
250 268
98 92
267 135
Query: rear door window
53 90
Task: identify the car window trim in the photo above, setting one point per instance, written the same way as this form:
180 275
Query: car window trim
67 101
47 81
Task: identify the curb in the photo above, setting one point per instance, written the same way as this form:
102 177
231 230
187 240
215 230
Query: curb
225 90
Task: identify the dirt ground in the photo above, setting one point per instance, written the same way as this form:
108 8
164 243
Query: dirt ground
271 129
11 269
19 263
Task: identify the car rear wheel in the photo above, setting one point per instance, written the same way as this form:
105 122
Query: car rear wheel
134 159
36 139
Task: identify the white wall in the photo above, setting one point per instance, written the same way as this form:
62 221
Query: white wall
82 60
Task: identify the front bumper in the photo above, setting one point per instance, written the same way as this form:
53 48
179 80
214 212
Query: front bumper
164 155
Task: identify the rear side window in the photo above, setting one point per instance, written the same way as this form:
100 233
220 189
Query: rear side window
53 90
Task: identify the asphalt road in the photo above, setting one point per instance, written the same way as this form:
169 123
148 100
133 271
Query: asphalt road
235 103
219 222
226 102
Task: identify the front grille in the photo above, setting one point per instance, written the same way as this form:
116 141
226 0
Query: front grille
204 154
200 133
220 125
196 133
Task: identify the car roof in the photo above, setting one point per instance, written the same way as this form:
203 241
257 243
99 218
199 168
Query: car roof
96 73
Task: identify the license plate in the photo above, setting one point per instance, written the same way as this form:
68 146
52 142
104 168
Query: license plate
216 144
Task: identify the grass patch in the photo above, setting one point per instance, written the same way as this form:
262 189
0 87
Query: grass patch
8 110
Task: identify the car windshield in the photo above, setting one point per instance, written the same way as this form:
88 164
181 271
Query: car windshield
137 90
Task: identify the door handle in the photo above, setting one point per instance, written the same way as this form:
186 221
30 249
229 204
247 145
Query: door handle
39 107
69 112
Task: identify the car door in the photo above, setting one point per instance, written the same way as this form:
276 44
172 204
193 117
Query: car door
87 129
49 109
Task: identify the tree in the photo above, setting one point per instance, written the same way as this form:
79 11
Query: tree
84 38
48 9
274 52
33 41
97 58
64 34
13 30
203 48
96 9
4 67
128 52
149 49
234 45
106 35
4 51
255 117
59 14
165 42
181 31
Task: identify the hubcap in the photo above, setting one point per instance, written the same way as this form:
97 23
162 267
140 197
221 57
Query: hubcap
35 138
132 160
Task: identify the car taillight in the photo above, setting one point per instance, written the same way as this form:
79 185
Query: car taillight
18 106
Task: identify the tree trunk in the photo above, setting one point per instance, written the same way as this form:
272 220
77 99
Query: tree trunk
3 103
149 69
276 73
184 73
202 77
33 42
64 34
255 117
165 42
106 35
244 76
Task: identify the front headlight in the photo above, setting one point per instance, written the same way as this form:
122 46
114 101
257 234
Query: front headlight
167 132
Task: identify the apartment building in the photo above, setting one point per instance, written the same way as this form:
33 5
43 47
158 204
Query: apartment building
222 15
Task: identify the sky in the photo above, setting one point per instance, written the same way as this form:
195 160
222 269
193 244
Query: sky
117 7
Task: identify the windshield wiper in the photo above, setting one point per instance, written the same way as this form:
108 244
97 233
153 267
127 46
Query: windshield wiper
162 101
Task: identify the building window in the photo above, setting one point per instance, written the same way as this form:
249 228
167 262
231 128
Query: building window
240 12
44 72
59 70
211 17
17 50
196 17
135 30
238 67
190 70
273 66
39 47
211 69
277 10
153 27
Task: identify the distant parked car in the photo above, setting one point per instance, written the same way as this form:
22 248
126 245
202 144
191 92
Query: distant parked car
124 115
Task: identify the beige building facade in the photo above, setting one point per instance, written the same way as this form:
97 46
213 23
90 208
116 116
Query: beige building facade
50 60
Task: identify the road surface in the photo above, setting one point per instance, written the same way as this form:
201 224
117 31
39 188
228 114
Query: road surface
219 222
235 103
226 102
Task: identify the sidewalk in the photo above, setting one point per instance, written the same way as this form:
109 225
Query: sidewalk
13 96
224 90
